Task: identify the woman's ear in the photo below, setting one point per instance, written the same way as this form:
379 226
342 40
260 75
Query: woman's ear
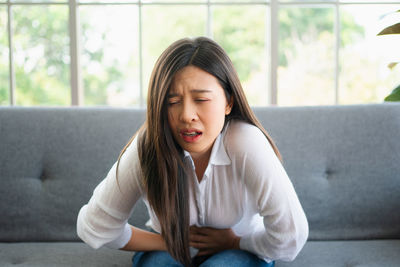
229 106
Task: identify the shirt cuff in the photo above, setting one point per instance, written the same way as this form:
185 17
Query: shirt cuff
246 243
122 240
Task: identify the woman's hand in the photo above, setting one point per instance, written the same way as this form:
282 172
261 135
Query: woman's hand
210 240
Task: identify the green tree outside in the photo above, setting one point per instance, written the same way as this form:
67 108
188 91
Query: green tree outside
41 48
4 76
41 54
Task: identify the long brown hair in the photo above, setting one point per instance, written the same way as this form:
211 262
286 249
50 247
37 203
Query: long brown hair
164 174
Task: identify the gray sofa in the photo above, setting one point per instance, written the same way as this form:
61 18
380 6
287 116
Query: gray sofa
344 162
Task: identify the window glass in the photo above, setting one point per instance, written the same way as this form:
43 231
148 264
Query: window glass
40 1
4 58
241 31
41 55
174 1
369 1
107 1
110 55
162 25
241 1
364 56
307 1
306 56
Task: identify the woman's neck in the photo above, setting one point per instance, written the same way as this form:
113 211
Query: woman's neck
201 163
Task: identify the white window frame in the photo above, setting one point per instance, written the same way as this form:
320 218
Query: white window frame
272 27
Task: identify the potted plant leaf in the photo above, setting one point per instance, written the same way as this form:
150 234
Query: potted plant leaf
393 29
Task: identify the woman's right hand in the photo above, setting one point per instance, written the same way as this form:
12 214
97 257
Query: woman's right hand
211 240
142 240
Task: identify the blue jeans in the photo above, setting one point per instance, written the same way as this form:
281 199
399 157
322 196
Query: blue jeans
226 258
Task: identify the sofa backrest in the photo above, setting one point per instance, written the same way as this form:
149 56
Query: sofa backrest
51 159
343 161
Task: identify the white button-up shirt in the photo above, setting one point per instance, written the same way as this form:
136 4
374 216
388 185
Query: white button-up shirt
244 187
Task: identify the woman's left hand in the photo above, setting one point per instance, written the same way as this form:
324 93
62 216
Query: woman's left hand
211 240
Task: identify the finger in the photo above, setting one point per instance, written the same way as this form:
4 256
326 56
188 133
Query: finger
200 245
203 245
196 237
199 238
197 231
209 231
197 245
193 228
204 252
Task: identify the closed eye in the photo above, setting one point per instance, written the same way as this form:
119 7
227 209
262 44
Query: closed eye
173 102
201 100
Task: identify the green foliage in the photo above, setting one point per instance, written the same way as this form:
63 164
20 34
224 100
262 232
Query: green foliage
94 89
393 29
41 49
41 45
308 24
241 32
163 25
4 77
395 95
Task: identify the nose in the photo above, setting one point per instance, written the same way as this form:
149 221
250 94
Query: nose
188 112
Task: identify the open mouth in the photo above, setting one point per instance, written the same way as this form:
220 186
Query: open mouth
190 136
191 133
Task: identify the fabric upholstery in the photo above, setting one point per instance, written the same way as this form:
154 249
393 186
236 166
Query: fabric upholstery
344 163
366 253
51 159
342 160
50 254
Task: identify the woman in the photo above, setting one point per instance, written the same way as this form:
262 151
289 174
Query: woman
209 173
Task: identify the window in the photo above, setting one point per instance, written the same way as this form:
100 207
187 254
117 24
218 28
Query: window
4 58
287 52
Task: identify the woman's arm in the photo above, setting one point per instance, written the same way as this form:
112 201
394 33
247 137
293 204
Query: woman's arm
269 191
285 226
103 220
142 240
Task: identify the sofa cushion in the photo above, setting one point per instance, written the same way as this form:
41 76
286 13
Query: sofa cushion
61 254
51 159
343 161
366 253
344 164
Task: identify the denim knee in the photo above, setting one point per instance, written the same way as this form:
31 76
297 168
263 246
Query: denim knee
154 258
235 258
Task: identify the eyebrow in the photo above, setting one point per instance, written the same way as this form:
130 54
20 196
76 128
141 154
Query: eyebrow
192 91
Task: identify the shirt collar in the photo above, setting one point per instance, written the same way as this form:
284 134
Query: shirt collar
218 156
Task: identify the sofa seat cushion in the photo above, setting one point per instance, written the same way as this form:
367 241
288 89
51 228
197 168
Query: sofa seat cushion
46 254
315 253
371 253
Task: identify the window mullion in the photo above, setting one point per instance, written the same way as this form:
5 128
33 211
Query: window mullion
141 94
337 51
209 20
273 52
77 96
11 54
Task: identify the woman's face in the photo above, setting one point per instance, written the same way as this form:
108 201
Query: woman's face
197 106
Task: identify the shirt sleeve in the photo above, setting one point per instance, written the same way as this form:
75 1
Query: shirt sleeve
104 219
285 228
